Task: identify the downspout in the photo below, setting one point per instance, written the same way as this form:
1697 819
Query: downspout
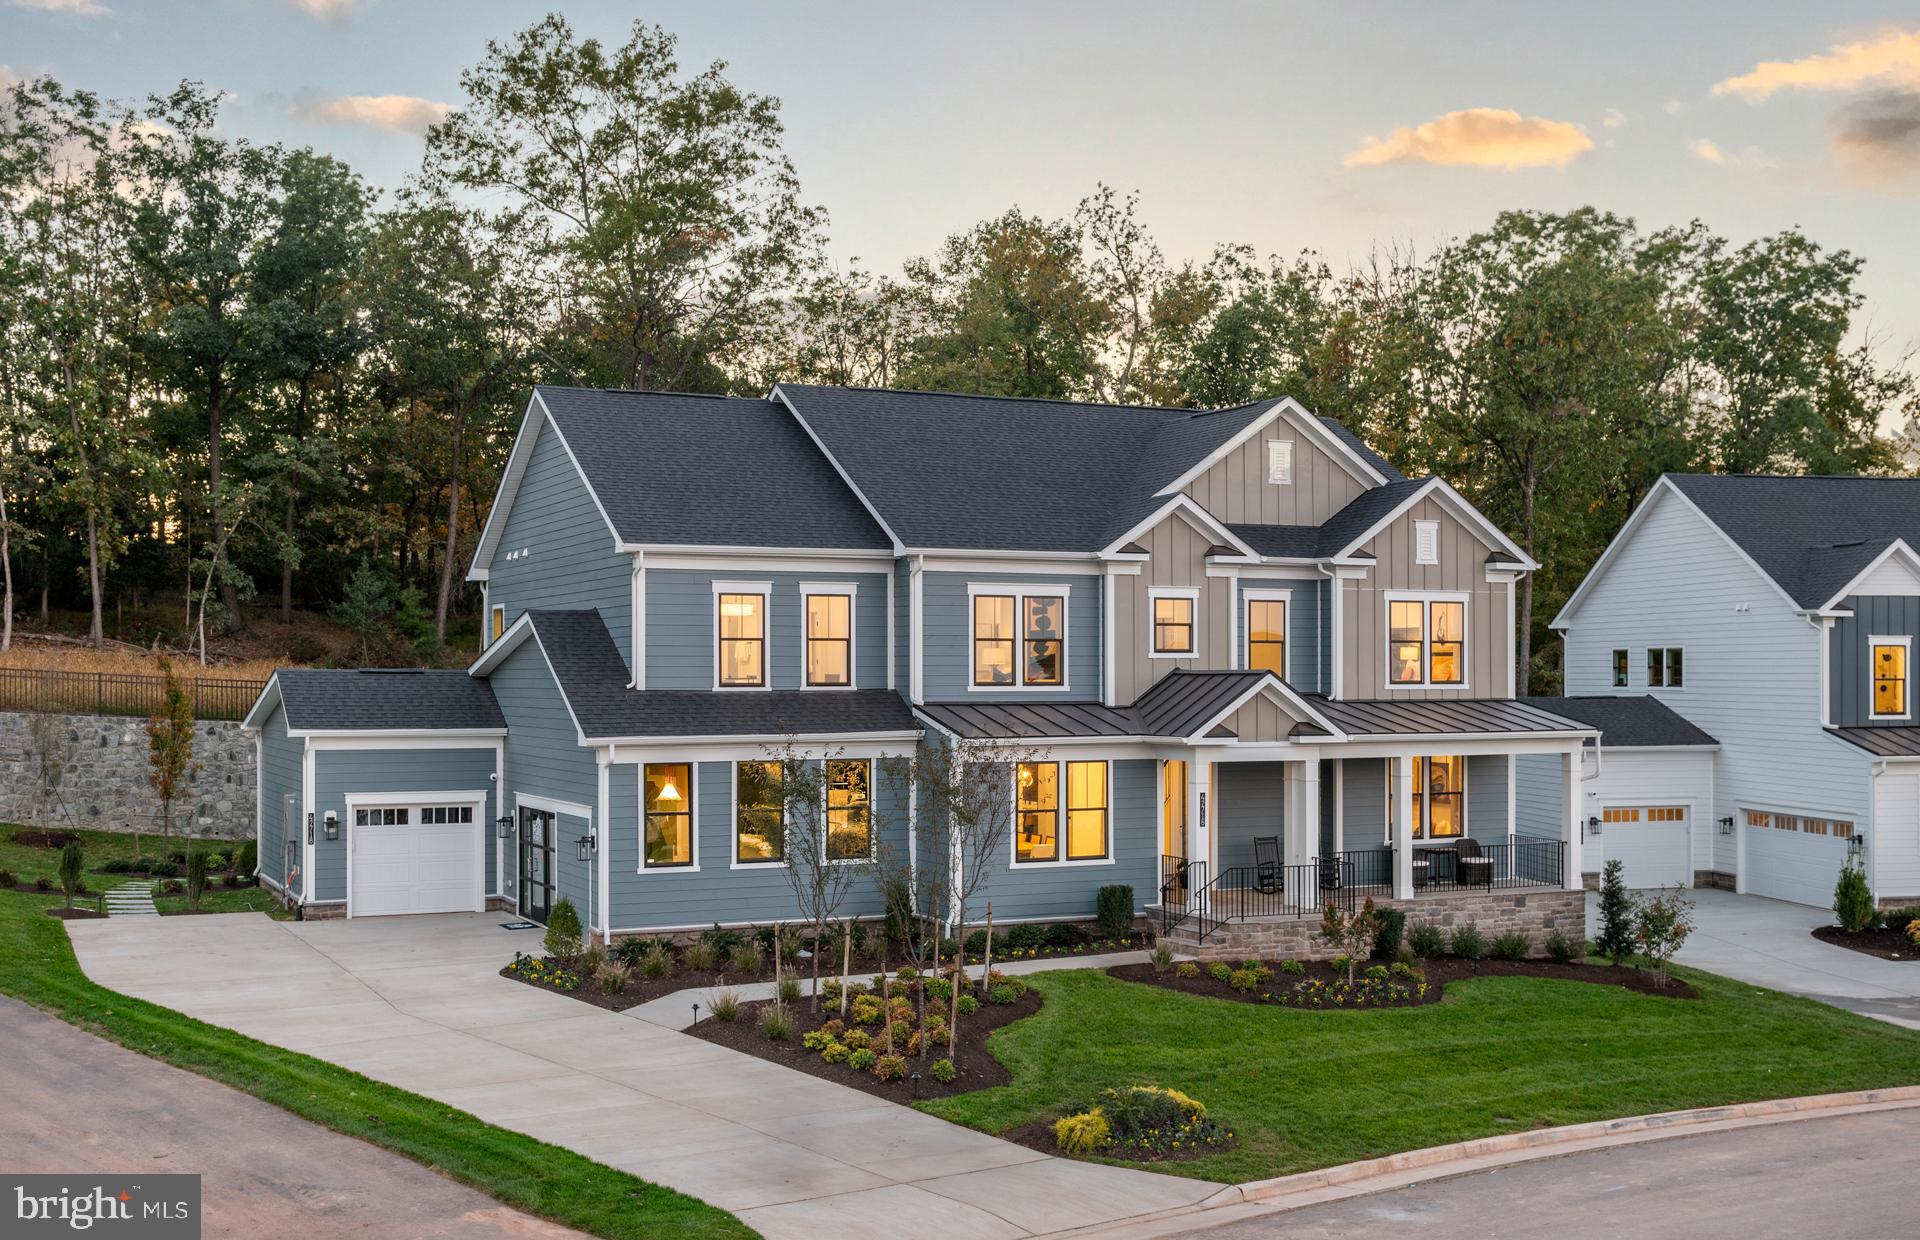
601 846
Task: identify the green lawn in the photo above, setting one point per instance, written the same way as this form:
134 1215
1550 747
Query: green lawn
529 1175
29 863
1307 1089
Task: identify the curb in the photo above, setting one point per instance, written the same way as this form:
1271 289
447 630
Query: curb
1548 1142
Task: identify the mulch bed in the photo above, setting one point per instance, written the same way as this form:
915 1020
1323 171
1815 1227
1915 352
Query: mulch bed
73 914
1882 943
975 1068
43 839
1436 973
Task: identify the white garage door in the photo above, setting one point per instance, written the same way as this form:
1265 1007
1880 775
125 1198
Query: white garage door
1650 842
1794 856
421 858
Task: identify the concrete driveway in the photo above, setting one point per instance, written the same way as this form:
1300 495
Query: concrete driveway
1770 943
77 1104
417 1002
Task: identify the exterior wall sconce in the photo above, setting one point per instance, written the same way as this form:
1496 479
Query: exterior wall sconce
585 846
1856 848
332 825
504 824
309 828
1726 825
1593 826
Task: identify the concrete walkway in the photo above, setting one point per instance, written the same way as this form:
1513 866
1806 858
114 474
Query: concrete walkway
1770 943
131 900
416 1002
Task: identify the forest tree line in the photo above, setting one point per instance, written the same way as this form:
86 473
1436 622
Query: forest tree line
234 377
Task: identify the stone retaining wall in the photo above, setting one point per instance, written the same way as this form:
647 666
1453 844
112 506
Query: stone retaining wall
103 782
1535 912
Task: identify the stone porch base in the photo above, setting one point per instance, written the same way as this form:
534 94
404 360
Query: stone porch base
1535 912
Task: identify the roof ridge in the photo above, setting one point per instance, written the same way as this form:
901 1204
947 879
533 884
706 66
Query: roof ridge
1032 400
615 391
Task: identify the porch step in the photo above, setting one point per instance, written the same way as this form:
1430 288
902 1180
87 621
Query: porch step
131 900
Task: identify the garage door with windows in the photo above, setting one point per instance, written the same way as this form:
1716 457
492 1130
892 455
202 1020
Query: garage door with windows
415 856
1652 843
1794 857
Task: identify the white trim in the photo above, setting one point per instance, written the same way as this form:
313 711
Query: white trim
1195 515
415 801
1664 671
1897 547
1426 598
1488 532
493 610
733 821
260 800
1426 542
692 796
1906 675
509 487
1019 592
1286 696
916 626
1336 635
572 809
1109 692
765 590
1192 595
778 395
725 748
637 602
603 849
1060 860
309 849
1826 670
269 692
1081 565
873 796
1250 595
1286 475
417 738
1426 801
1304 420
850 590
892 639
763 560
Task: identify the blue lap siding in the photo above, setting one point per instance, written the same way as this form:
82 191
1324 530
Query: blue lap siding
1059 890
680 620
545 759
279 777
1252 804
946 620
339 772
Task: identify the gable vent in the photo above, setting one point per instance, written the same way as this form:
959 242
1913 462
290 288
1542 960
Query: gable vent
1426 542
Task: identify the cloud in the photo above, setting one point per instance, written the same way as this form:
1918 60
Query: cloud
1673 107
332 12
77 8
1708 151
1876 139
1889 59
1613 118
1479 137
406 113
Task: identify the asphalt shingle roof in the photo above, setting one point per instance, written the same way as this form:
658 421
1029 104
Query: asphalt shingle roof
1627 721
1812 535
1359 516
593 679
713 471
385 699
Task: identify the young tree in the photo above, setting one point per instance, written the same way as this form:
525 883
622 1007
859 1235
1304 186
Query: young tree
1661 926
664 212
72 858
1617 915
1350 932
170 762
825 830
1853 904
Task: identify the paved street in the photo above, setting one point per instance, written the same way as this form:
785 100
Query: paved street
1770 943
1845 1176
75 1103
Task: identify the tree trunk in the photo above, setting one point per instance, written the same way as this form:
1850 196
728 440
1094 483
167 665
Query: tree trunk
293 495
6 573
229 597
846 969
1523 640
453 529
986 957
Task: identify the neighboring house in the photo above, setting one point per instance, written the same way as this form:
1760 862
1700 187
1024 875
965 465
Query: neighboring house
1778 615
1258 659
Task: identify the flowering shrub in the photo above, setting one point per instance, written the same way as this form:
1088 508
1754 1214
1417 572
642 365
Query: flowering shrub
1142 1121
1367 992
543 972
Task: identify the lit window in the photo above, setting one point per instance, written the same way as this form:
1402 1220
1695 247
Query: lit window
498 624
743 639
1426 642
1086 811
1173 625
668 839
1889 679
1439 794
758 829
849 809
1665 667
992 639
1267 636
1037 803
829 639
1620 664
1173 807
1044 643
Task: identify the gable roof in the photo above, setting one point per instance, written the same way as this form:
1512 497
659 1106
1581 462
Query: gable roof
378 700
592 677
672 469
1182 704
1628 721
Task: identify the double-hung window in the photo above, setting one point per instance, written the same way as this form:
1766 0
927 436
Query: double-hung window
829 640
1665 667
1040 812
1019 638
1426 640
1890 676
849 809
740 635
1438 810
1267 634
759 828
1173 623
1620 666
666 790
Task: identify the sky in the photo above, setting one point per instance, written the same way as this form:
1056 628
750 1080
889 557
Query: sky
1335 127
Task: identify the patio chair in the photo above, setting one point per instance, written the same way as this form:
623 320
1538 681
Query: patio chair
1267 874
1471 866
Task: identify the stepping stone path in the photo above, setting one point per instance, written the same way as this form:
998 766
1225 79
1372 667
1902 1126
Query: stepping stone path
131 900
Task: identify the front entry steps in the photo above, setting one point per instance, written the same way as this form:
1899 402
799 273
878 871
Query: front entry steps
131 900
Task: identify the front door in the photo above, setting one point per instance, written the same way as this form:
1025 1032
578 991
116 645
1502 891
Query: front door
536 863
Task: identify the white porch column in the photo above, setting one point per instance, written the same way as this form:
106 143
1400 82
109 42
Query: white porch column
1570 827
1400 771
1303 811
1199 814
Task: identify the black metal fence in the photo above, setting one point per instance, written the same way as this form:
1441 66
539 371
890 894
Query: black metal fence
120 693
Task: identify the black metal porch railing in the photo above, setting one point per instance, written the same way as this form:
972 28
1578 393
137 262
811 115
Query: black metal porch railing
1180 879
1250 892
